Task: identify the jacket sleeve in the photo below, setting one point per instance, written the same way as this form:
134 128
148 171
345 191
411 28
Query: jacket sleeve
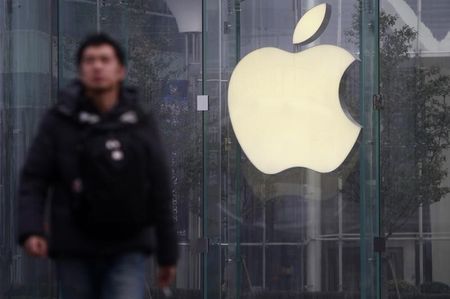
35 178
166 235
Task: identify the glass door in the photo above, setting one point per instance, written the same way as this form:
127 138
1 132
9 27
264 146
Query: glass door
296 232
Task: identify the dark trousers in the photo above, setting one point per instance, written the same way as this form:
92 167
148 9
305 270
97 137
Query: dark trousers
111 277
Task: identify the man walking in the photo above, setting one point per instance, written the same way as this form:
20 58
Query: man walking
99 161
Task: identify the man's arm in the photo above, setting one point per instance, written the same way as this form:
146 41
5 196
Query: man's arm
35 178
166 237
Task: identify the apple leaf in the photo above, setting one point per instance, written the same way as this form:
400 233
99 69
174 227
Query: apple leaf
312 24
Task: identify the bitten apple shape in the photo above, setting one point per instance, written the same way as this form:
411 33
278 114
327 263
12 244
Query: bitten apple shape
284 107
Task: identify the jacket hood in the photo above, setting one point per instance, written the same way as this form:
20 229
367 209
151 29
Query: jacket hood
71 97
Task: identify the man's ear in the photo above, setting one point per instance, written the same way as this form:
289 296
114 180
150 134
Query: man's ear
123 72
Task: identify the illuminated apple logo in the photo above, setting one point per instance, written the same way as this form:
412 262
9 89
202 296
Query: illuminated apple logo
284 107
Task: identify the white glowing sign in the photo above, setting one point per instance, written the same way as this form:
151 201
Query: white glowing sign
285 108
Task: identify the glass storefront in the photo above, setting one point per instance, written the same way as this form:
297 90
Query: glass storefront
376 227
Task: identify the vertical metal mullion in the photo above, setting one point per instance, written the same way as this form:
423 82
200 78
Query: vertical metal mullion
98 15
238 164
370 207
340 240
204 230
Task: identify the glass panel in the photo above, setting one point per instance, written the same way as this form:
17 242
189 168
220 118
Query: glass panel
298 231
165 64
75 20
27 85
219 57
33 62
415 77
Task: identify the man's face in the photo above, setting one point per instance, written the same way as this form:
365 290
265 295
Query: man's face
100 69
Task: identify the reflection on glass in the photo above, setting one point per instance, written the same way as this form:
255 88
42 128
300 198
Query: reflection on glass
293 232
415 84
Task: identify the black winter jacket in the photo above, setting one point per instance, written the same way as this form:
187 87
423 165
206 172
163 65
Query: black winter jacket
46 176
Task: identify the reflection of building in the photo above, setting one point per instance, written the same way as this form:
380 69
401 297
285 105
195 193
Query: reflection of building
427 236
429 19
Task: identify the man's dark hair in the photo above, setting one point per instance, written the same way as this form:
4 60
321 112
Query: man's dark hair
99 39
